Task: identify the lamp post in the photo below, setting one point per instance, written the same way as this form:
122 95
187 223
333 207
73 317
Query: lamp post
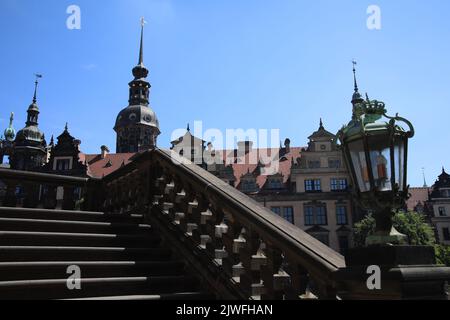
375 148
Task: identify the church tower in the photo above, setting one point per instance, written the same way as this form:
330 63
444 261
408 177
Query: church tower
137 126
30 147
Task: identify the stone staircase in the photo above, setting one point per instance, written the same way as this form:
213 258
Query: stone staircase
120 257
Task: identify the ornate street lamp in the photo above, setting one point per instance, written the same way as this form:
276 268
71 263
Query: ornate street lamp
375 148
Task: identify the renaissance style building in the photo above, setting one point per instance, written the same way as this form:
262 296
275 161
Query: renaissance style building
137 129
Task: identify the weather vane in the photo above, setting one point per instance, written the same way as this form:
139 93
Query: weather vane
143 22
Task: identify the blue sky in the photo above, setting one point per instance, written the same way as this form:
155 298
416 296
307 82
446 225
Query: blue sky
232 64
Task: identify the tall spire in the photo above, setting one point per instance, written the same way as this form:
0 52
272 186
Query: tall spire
354 75
356 98
140 71
38 76
141 50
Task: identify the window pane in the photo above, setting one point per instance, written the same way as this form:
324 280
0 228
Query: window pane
321 216
309 215
381 165
317 185
360 165
399 152
341 215
308 185
288 214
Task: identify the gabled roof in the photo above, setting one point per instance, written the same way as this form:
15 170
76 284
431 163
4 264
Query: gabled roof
187 136
321 133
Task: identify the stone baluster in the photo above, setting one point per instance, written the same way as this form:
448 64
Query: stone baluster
10 199
50 197
275 278
300 286
233 241
252 258
200 216
68 198
216 228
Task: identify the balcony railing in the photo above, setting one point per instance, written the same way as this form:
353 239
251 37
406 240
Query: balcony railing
46 191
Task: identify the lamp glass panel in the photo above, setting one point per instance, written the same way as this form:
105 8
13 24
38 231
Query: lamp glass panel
358 160
380 156
399 160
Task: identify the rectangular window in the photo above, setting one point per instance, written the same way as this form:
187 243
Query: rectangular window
309 216
288 214
313 185
446 233
338 184
341 215
309 186
442 212
321 216
63 164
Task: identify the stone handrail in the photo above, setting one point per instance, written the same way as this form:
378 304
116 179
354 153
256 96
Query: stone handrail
240 249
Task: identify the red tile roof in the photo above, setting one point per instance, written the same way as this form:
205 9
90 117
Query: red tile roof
249 162
418 195
98 167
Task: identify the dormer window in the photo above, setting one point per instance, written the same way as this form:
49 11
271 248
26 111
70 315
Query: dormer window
63 164
248 185
275 184
314 164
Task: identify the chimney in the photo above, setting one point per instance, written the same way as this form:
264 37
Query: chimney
245 147
287 145
105 151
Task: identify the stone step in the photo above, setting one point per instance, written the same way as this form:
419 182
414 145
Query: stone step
44 225
35 270
94 287
28 238
46 214
67 253
184 296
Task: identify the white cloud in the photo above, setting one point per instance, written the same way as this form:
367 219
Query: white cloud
89 67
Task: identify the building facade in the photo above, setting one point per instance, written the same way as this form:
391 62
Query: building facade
306 186
439 207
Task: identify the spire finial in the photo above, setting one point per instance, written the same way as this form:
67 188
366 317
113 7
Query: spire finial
11 119
141 51
321 124
354 75
38 76
66 128
188 128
